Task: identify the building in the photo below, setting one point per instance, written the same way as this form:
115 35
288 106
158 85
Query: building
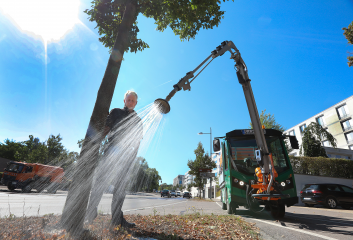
338 121
188 179
179 180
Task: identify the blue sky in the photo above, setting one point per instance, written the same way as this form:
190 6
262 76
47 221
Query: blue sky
295 52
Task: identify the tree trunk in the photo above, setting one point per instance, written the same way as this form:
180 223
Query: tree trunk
77 199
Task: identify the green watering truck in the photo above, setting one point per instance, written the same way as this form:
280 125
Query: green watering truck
256 167
240 172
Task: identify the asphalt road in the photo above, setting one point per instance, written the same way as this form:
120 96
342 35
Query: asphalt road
299 222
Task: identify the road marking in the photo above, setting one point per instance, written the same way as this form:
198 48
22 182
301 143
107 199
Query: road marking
298 230
128 210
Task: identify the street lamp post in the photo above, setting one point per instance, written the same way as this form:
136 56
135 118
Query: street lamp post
200 133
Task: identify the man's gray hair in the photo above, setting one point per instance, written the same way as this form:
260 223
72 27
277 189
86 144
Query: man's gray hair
132 93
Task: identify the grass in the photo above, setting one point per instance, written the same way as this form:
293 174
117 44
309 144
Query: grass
188 226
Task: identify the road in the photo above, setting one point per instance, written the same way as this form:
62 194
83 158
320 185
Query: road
299 223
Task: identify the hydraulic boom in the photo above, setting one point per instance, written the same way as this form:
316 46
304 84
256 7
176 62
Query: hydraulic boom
267 175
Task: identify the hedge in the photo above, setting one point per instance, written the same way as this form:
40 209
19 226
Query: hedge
320 166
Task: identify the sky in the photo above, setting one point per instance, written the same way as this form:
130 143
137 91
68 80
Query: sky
52 64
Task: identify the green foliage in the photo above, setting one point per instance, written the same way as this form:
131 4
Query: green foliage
321 166
189 187
314 134
202 161
348 33
143 178
185 18
269 121
33 151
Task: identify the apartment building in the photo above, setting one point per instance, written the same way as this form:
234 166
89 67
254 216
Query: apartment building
338 121
179 180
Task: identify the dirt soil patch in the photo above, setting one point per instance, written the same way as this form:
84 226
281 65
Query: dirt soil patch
193 226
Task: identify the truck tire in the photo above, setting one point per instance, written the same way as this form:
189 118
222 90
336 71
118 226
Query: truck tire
277 212
224 206
52 191
230 208
27 188
10 187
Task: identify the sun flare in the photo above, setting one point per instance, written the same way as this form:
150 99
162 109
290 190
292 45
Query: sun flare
48 19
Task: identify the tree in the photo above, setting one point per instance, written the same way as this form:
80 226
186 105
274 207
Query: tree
189 187
33 150
202 161
269 121
348 33
9 148
116 23
313 137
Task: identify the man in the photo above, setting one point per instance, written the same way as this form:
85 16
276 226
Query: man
124 129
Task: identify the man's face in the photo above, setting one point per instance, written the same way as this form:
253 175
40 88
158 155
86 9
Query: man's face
130 101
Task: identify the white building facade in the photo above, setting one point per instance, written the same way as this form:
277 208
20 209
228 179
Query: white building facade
338 121
179 180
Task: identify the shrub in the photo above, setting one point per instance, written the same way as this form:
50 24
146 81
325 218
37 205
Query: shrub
320 166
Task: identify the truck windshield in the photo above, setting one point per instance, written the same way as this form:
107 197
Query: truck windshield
13 167
243 154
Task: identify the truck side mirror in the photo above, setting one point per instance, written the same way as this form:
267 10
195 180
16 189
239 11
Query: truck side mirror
294 142
216 145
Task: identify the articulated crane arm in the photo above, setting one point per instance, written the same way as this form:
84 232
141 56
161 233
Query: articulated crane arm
262 155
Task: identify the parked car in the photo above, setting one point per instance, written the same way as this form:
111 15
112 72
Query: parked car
173 194
187 195
178 194
329 194
165 193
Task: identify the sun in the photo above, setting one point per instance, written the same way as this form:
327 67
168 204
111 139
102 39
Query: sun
49 20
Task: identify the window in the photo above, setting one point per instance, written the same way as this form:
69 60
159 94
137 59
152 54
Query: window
338 156
333 188
347 125
329 155
302 128
326 143
347 189
351 147
292 133
349 137
342 111
320 120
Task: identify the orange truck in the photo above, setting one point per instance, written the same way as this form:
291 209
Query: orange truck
28 176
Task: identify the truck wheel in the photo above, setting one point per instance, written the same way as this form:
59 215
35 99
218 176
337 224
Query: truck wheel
10 187
230 209
278 211
27 188
224 206
52 190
